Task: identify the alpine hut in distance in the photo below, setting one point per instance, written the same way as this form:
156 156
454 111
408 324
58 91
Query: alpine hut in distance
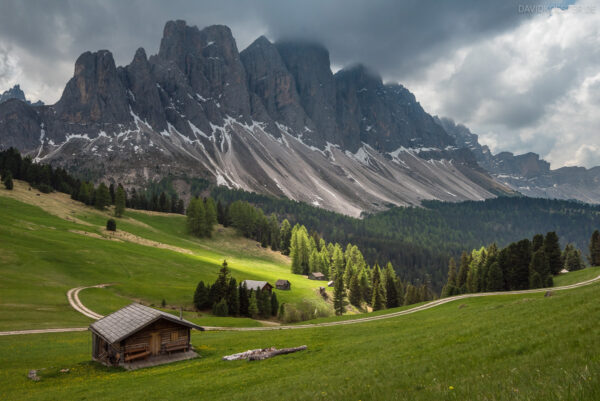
138 336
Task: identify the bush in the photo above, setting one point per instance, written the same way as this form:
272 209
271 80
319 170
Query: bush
305 310
111 225
44 188
7 180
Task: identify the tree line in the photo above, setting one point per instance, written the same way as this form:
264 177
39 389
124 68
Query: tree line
226 298
521 265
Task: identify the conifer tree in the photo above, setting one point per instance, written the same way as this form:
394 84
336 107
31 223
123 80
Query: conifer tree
274 239
7 180
102 197
201 296
495 280
411 296
450 288
537 242
391 289
339 295
463 271
573 260
285 236
539 269
220 213
594 257
378 300
324 260
274 304
220 308
244 299
337 263
314 261
120 199
553 253
253 305
355 294
221 286
365 285
210 216
233 298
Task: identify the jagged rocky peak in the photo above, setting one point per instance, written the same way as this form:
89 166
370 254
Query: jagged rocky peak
274 86
309 64
95 93
17 93
210 62
143 92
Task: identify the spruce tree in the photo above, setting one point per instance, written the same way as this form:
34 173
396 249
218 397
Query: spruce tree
594 257
553 253
274 239
539 269
210 216
463 271
120 200
355 296
274 304
201 296
378 300
411 296
220 213
285 236
253 305
537 242
221 286
102 197
244 299
337 263
314 261
233 298
450 288
365 285
339 295
391 289
495 280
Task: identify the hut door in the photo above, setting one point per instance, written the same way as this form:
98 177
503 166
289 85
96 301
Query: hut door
155 343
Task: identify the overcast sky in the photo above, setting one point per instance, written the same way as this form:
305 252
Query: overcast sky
523 74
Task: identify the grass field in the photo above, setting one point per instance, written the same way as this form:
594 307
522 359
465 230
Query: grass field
526 347
46 250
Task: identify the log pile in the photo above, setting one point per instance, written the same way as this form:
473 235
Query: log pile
262 353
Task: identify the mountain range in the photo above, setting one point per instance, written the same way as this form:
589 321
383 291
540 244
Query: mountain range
272 119
17 93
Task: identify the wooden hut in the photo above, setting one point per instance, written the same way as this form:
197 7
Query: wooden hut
257 285
138 333
317 276
283 285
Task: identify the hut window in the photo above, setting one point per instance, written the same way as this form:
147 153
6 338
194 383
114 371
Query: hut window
174 335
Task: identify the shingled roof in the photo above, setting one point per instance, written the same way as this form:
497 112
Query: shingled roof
130 319
255 285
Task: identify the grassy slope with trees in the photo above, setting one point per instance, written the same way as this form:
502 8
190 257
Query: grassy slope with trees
502 348
43 255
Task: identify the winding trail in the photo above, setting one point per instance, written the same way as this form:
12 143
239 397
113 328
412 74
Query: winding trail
73 297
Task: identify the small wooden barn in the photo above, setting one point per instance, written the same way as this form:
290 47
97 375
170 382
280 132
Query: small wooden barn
283 285
138 333
257 285
317 276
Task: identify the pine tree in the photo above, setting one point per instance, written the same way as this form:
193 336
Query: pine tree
391 289
355 295
411 296
594 257
337 263
274 304
120 199
538 267
233 298
365 285
220 213
450 288
274 239
221 285
314 261
537 242
339 295
552 251
201 296
196 217
264 303
378 300
210 216
495 279
102 197
253 305
285 236
463 271
244 299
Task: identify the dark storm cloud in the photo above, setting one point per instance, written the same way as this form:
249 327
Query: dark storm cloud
413 42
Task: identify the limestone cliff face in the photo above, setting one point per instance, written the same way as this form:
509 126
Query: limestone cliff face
273 119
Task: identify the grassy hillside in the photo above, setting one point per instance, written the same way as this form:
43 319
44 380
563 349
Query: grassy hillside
526 347
49 244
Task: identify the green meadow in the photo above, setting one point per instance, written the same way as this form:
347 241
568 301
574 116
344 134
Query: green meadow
43 255
526 347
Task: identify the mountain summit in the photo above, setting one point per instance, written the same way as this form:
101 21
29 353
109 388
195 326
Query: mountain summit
272 119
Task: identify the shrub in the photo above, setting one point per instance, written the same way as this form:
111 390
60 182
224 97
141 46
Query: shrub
111 225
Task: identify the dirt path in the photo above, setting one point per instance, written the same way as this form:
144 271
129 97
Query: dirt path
73 297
